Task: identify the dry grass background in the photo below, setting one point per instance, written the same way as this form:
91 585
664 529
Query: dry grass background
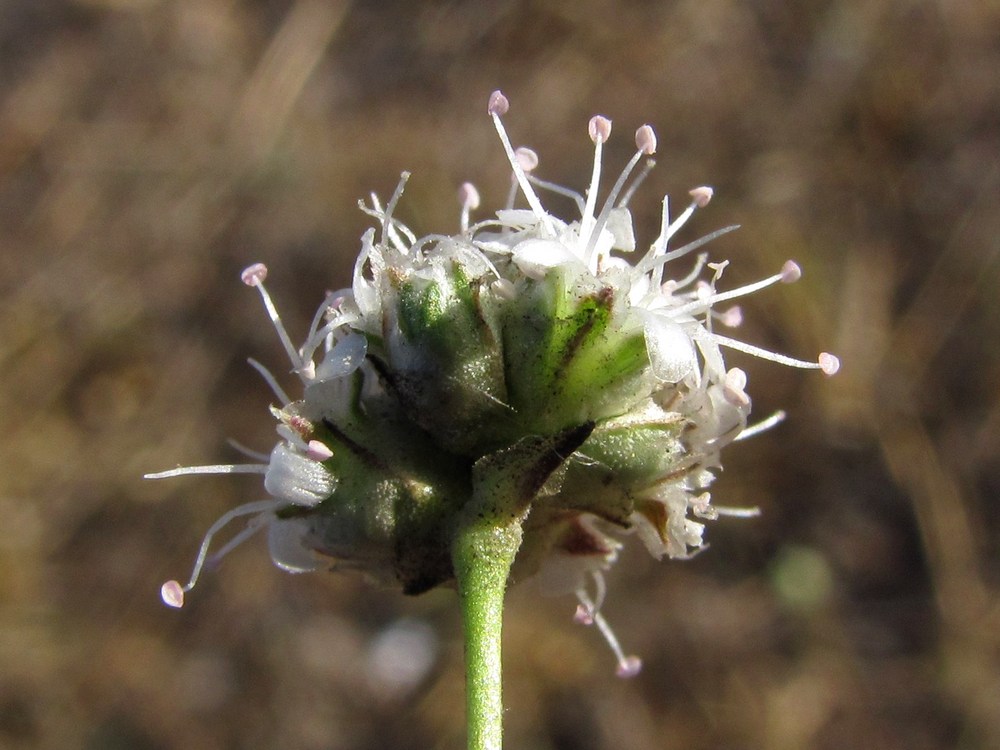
150 149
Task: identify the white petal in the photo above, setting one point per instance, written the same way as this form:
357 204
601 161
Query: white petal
620 225
344 358
536 257
297 479
671 353
284 542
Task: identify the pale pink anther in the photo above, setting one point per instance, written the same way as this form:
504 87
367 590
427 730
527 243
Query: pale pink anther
468 196
829 363
645 140
599 128
527 159
583 615
734 388
318 451
630 666
498 104
790 272
733 317
254 275
172 594
701 195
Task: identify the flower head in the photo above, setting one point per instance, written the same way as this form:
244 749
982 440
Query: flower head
525 340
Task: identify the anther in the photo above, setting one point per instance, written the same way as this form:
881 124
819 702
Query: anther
254 275
732 318
468 196
734 388
645 140
701 195
318 451
527 158
583 615
498 104
172 594
829 364
628 667
599 128
790 272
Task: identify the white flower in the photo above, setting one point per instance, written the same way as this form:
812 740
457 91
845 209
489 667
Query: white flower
522 329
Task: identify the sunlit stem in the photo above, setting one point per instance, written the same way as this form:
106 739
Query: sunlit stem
483 552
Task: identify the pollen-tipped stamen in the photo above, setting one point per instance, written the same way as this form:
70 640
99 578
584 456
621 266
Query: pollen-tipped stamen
826 362
468 197
628 666
600 130
253 276
785 276
172 594
499 105
643 145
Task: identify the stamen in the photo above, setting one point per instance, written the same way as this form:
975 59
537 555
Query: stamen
270 380
600 130
731 512
700 198
213 469
628 666
645 141
254 276
649 262
762 426
498 105
827 362
389 209
639 178
248 452
171 591
731 294
468 196
558 190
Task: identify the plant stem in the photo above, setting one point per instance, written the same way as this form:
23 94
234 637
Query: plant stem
483 552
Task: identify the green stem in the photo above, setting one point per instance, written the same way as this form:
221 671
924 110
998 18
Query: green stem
483 552
483 548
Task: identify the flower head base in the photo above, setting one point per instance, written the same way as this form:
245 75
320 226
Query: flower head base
527 344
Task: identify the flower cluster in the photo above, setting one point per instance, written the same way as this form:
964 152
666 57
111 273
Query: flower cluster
522 334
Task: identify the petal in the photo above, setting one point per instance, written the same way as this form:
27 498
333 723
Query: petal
671 353
299 480
344 358
285 543
536 257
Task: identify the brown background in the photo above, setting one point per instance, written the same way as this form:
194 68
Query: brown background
150 149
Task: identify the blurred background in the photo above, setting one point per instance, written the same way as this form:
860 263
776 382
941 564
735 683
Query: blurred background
150 149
